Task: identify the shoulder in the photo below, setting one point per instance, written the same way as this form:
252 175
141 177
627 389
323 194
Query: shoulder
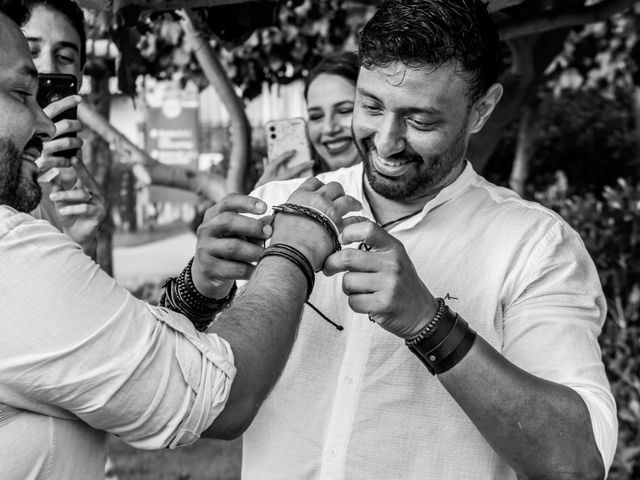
274 193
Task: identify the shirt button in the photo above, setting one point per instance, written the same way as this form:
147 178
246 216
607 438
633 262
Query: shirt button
348 380
333 452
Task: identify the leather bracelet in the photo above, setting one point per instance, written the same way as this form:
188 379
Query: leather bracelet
313 214
440 353
296 257
181 295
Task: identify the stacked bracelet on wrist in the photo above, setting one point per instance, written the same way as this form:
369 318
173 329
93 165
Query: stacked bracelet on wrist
292 254
313 214
181 295
444 341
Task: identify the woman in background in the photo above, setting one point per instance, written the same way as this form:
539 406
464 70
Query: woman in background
329 91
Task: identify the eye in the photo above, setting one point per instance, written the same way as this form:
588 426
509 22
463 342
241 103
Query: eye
315 117
21 95
371 109
345 110
421 124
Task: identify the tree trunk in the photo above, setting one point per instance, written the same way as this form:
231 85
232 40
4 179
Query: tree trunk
524 151
240 127
99 161
211 186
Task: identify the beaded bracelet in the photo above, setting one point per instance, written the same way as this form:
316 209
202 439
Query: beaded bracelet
429 327
181 295
313 214
294 256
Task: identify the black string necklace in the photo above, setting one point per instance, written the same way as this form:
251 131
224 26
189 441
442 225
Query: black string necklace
364 246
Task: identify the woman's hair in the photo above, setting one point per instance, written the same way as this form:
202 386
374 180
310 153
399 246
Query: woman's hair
342 65
419 33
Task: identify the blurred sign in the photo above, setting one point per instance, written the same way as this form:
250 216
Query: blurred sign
172 125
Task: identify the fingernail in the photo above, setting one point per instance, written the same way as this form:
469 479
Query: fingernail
53 197
77 98
260 206
267 230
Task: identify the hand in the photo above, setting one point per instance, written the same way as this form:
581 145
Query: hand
49 157
277 169
228 243
382 282
305 234
82 208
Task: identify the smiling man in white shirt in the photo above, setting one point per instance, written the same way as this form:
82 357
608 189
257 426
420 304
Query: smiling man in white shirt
80 356
468 318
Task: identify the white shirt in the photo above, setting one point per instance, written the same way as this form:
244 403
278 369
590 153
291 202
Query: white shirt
357 404
79 356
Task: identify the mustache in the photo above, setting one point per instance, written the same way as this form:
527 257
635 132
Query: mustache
404 156
33 143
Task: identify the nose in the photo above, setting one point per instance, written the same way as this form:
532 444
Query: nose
330 126
45 129
45 61
389 139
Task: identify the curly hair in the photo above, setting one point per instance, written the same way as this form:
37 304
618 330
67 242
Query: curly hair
418 33
342 65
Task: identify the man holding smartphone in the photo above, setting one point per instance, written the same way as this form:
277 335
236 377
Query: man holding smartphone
71 201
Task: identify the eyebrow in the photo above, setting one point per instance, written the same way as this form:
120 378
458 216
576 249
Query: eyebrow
63 43
431 111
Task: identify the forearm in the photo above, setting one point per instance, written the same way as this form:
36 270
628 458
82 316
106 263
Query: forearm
540 428
261 327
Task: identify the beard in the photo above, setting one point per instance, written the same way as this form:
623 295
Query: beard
425 176
18 183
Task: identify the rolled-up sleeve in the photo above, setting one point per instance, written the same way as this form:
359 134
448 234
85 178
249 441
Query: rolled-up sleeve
552 327
78 345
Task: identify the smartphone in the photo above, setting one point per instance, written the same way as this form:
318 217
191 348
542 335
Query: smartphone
53 87
286 135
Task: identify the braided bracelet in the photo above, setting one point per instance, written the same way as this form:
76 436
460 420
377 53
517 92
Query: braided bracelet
181 295
313 214
294 256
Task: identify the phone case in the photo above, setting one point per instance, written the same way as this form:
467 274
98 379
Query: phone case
53 87
286 135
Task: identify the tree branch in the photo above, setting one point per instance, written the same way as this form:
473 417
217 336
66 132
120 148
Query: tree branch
561 18
208 185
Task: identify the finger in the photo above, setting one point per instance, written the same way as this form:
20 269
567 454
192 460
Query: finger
344 205
235 202
364 303
56 108
231 224
79 195
311 184
295 171
77 209
283 157
359 282
227 270
351 219
366 232
88 182
235 249
67 126
60 144
332 190
350 260
46 163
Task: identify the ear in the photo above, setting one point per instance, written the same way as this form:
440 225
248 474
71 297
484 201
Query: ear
484 106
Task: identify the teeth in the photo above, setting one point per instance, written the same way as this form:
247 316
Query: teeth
337 144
